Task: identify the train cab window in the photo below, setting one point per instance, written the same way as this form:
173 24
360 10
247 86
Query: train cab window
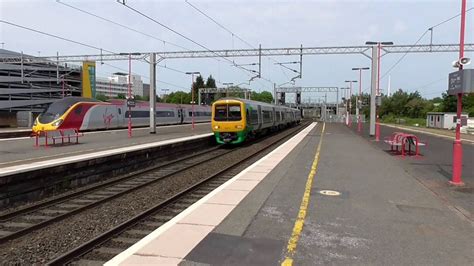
234 112
227 112
58 108
78 110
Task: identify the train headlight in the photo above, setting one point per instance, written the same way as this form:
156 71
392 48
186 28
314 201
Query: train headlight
57 123
216 127
238 126
35 122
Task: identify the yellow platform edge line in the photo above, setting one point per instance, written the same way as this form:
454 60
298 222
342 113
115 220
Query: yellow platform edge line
299 223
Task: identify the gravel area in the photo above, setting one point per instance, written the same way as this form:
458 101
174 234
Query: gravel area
45 244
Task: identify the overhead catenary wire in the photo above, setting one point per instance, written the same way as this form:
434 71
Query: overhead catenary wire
419 39
217 23
427 85
55 36
232 33
82 44
121 25
178 33
129 28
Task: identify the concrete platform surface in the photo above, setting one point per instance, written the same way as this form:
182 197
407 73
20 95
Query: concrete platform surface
382 215
21 151
433 169
468 138
172 241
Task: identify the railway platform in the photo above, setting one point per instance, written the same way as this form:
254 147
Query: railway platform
28 172
20 151
14 132
324 197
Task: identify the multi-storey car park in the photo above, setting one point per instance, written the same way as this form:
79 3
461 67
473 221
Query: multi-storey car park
27 88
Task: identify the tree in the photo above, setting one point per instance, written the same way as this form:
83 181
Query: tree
210 97
403 104
415 107
138 98
179 97
101 97
449 103
264 96
199 83
468 104
120 96
211 82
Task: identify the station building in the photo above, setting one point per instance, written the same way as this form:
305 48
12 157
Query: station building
118 84
444 120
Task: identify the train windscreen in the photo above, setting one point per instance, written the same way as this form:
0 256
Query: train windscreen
227 112
57 109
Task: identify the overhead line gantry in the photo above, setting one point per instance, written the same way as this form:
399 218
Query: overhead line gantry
155 57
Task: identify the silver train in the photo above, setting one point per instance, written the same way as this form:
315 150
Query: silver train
88 114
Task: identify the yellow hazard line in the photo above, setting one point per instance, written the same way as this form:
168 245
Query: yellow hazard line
299 223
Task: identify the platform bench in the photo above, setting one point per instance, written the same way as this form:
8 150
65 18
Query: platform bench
402 140
65 135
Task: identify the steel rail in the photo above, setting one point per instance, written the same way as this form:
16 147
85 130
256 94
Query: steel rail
137 174
91 244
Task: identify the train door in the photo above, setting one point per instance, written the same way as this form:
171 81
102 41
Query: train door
260 117
180 115
273 116
115 120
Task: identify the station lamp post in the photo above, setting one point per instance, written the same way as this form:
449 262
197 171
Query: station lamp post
350 99
377 92
165 93
130 101
359 97
192 93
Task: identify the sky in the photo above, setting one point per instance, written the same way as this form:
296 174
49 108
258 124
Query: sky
273 24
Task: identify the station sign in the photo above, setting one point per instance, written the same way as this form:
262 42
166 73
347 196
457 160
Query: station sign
131 102
461 81
378 100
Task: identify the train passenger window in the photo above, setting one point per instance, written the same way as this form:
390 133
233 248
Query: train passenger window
266 116
120 111
164 113
254 117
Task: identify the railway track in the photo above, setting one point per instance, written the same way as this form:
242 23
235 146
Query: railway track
26 220
105 246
